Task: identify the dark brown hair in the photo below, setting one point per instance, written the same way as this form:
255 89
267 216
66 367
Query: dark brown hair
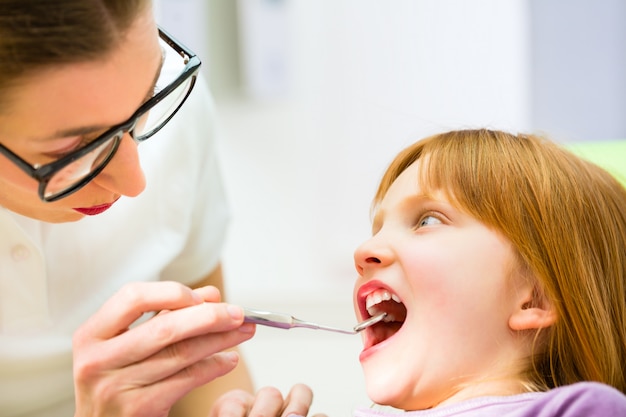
35 34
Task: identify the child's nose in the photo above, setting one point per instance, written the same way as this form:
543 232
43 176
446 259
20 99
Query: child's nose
373 253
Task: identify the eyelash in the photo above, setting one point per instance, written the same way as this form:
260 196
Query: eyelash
428 214
82 141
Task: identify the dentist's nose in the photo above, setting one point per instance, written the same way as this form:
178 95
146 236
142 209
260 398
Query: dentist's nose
373 253
123 174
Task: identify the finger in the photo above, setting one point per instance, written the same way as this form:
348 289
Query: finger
235 403
267 402
154 399
209 294
167 329
198 374
132 301
181 355
298 401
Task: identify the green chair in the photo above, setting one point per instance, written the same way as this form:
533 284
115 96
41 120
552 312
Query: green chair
610 155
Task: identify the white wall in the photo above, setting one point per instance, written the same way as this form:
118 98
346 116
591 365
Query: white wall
368 77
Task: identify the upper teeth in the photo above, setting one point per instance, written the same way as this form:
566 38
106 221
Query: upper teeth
377 297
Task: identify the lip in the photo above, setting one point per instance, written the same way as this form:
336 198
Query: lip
370 347
94 210
370 350
364 291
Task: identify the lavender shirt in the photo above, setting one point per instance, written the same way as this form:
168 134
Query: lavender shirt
583 399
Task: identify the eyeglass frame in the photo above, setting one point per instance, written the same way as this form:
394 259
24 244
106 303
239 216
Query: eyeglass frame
44 173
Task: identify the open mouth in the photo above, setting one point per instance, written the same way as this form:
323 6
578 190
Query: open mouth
383 300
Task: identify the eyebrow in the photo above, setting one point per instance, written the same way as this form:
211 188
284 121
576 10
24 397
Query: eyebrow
85 130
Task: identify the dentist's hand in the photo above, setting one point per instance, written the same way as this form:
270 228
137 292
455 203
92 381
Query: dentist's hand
144 370
267 402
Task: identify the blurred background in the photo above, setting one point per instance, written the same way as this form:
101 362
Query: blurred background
315 97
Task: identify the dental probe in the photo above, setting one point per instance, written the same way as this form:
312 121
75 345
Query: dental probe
285 321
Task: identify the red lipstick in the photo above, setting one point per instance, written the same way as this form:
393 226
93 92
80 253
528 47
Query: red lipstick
93 210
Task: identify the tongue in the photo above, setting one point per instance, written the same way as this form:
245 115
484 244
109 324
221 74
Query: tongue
385 329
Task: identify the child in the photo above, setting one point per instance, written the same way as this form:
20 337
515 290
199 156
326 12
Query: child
500 260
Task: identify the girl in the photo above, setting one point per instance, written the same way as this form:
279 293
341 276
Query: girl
500 260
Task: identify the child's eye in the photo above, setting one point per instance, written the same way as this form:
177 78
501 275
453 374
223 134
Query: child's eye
428 220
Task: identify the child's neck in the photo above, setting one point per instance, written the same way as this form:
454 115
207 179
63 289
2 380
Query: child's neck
490 388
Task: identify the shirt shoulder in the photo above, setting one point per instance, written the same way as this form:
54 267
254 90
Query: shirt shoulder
583 399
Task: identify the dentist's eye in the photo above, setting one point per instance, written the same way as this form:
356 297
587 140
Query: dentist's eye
64 146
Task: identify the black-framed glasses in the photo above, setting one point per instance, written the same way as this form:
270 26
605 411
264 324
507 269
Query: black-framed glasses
73 171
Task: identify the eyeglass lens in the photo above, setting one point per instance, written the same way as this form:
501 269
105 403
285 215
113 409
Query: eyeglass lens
81 168
150 122
173 66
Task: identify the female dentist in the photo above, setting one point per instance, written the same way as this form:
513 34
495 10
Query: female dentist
101 241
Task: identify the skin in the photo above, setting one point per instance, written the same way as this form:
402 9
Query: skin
467 303
196 403
103 93
145 370
232 395
149 368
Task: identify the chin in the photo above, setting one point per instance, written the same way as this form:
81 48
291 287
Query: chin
59 216
399 386
56 212
385 387
382 396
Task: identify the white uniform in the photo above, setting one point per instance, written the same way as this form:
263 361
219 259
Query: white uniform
54 276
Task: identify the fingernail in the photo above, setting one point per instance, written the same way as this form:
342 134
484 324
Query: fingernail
235 312
196 297
231 356
225 356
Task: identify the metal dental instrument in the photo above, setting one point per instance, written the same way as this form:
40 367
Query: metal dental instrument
369 322
285 321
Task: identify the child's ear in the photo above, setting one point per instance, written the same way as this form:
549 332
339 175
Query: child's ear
533 311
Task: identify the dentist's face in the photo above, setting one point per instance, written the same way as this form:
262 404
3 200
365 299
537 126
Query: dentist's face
59 110
447 283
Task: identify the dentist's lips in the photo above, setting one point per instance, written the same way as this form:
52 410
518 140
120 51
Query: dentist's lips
93 210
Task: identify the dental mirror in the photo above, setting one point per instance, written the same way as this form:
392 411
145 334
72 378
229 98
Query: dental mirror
286 321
